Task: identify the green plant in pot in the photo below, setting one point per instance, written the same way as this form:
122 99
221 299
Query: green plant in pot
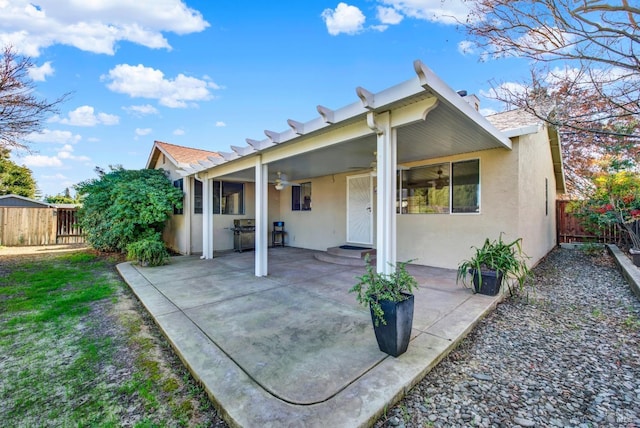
149 251
390 301
494 261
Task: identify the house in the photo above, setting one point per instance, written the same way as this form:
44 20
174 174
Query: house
22 202
414 171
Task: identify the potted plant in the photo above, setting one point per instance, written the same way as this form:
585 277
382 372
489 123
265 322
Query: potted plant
149 251
493 262
391 305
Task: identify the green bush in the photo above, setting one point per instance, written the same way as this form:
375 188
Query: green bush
149 251
124 206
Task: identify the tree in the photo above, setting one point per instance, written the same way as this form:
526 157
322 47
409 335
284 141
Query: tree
64 198
615 200
585 71
15 179
125 206
21 111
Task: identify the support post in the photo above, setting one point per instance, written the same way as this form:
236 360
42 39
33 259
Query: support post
386 200
207 218
262 209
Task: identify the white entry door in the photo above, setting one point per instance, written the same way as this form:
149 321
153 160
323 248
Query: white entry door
359 210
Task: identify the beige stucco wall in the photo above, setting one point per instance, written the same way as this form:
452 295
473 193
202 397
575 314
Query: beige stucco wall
443 240
536 217
325 225
175 230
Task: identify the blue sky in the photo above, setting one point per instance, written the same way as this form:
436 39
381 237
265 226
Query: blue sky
210 74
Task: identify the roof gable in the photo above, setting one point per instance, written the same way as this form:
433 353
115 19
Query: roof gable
179 155
13 200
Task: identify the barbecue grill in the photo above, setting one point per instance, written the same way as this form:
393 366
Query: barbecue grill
244 234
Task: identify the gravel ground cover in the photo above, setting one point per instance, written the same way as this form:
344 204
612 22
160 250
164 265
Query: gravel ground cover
566 356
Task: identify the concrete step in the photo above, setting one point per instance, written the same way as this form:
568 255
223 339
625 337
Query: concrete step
346 257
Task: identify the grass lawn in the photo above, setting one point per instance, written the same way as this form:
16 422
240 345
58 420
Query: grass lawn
77 349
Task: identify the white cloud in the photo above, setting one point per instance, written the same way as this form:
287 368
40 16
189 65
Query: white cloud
220 124
94 26
147 82
65 153
86 116
388 15
39 74
178 131
441 11
142 110
143 131
343 19
55 136
41 160
57 177
504 90
466 47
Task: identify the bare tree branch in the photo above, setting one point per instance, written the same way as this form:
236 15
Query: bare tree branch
21 111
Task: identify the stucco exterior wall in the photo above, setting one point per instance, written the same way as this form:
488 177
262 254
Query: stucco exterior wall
536 185
176 228
325 225
443 240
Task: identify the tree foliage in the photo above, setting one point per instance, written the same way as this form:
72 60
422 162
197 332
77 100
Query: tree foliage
15 179
63 198
21 110
585 71
615 200
124 206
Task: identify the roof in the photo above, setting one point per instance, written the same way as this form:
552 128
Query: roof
13 200
515 122
179 155
518 122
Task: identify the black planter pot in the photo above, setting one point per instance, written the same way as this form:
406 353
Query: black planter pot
393 337
635 256
491 282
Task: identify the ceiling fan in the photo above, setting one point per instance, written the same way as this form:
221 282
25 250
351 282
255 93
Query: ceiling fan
281 181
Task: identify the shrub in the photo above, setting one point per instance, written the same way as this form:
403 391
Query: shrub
149 251
124 206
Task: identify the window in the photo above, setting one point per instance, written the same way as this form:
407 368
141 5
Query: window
301 197
228 197
197 196
546 196
465 192
425 190
180 185
441 189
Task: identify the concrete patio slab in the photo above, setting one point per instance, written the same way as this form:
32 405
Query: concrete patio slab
294 348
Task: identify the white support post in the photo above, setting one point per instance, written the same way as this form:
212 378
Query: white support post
386 202
262 209
207 218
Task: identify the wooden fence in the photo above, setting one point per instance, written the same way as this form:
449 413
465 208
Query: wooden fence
68 231
21 226
570 229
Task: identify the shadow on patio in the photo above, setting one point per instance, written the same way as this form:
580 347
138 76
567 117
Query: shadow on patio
294 348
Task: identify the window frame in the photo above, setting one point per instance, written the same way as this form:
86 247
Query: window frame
217 199
400 198
179 184
198 187
299 202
